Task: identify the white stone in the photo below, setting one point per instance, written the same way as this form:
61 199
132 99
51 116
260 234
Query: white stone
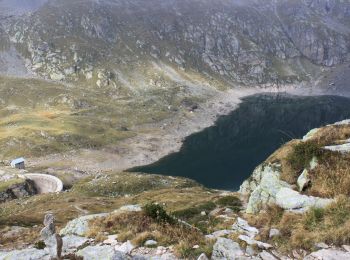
262 187
202 257
195 247
242 226
346 247
126 247
303 180
226 249
97 252
25 254
251 241
80 226
310 134
328 254
203 213
264 255
321 245
131 208
72 242
343 148
219 233
290 199
111 240
274 232
151 243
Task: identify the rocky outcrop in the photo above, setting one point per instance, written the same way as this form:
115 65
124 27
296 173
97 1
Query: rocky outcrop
80 226
53 242
262 187
290 199
247 42
18 190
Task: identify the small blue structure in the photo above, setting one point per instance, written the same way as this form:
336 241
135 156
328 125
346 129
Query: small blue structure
18 163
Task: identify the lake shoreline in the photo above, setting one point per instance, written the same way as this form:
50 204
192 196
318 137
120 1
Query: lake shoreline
159 139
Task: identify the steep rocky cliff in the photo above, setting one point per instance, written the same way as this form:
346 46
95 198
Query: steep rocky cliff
111 42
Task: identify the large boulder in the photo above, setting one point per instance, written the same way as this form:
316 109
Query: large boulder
25 254
328 254
262 187
226 249
290 199
104 252
80 226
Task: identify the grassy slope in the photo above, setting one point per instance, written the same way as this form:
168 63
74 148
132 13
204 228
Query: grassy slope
329 179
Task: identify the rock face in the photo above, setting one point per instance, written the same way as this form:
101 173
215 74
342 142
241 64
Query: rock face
80 226
226 249
52 240
328 254
262 187
290 199
265 187
251 41
20 190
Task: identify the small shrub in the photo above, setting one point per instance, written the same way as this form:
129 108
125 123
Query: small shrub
302 154
40 244
157 213
191 212
231 202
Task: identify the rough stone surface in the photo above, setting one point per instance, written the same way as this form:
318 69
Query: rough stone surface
97 252
290 199
274 232
126 247
343 148
250 241
72 242
52 240
150 243
203 257
80 226
226 249
262 187
328 254
264 255
303 180
25 254
219 233
242 226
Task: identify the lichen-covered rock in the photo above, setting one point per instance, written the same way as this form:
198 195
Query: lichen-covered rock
290 199
80 226
53 241
225 248
303 180
25 254
97 252
262 187
328 254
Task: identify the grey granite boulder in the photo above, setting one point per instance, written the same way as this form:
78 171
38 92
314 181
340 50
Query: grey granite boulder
262 187
290 199
25 254
226 249
80 226
328 254
97 252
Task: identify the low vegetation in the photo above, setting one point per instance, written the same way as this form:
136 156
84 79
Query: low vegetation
152 223
330 225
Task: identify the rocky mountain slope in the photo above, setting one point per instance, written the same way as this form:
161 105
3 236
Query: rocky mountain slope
297 207
115 43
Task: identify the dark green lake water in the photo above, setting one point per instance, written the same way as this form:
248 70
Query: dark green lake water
224 155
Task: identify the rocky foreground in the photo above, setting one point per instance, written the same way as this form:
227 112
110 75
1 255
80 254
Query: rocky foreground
294 206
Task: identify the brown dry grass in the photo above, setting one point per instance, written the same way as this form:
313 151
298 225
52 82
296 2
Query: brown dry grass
138 227
331 177
330 225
